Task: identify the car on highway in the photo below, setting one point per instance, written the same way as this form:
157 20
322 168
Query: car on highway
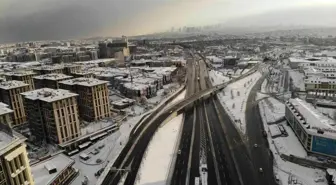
256 145
261 170
179 152
264 133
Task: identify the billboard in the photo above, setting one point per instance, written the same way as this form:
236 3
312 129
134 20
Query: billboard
324 145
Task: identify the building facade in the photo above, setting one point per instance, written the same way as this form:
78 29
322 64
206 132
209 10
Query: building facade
52 115
10 95
316 132
93 97
25 76
49 80
14 163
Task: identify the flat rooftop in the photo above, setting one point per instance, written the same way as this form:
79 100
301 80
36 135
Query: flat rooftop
89 82
12 84
9 141
41 174
314 118
20 73
4 109
53 76
48 95
5 140
49 67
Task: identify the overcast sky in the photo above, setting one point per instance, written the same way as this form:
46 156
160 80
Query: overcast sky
22 20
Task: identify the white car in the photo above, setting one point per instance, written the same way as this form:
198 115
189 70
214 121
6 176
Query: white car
255 145
261 170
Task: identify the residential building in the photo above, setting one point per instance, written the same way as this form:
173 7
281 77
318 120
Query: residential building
47 69
25 76
85 74
93 97
14 163
10 95
315 131
55 170
71 68
49 80
52 114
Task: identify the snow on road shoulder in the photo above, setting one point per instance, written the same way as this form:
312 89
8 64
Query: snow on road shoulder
156 162
234 97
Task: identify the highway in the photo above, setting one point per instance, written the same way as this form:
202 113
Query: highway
134 150
261 156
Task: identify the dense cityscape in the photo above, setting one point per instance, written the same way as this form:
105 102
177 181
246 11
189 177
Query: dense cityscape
192 105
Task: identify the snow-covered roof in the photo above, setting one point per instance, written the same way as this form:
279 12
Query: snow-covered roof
49 67
12 84
53 76
5 140
41 174
312 117
84 81
4 109
20 73
135 86
48 95
123 101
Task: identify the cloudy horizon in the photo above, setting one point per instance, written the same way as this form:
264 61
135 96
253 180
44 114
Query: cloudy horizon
66 19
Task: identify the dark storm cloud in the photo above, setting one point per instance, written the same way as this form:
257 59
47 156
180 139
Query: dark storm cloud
47 20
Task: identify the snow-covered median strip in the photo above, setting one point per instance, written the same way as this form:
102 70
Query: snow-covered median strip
234 97
156 162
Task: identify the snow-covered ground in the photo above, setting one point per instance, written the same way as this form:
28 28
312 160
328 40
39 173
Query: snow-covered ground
113 145
272 109
298 79
158 157
234 98
217 77
289 145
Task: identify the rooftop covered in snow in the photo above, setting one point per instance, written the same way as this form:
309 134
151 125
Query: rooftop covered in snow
41 174
312 119
84 82
48 95
4 109
53 76
12 84
20 73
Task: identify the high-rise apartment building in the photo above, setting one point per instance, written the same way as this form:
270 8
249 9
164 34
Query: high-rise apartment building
49 80
25 76
93 97
52 114
10 95
14 163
